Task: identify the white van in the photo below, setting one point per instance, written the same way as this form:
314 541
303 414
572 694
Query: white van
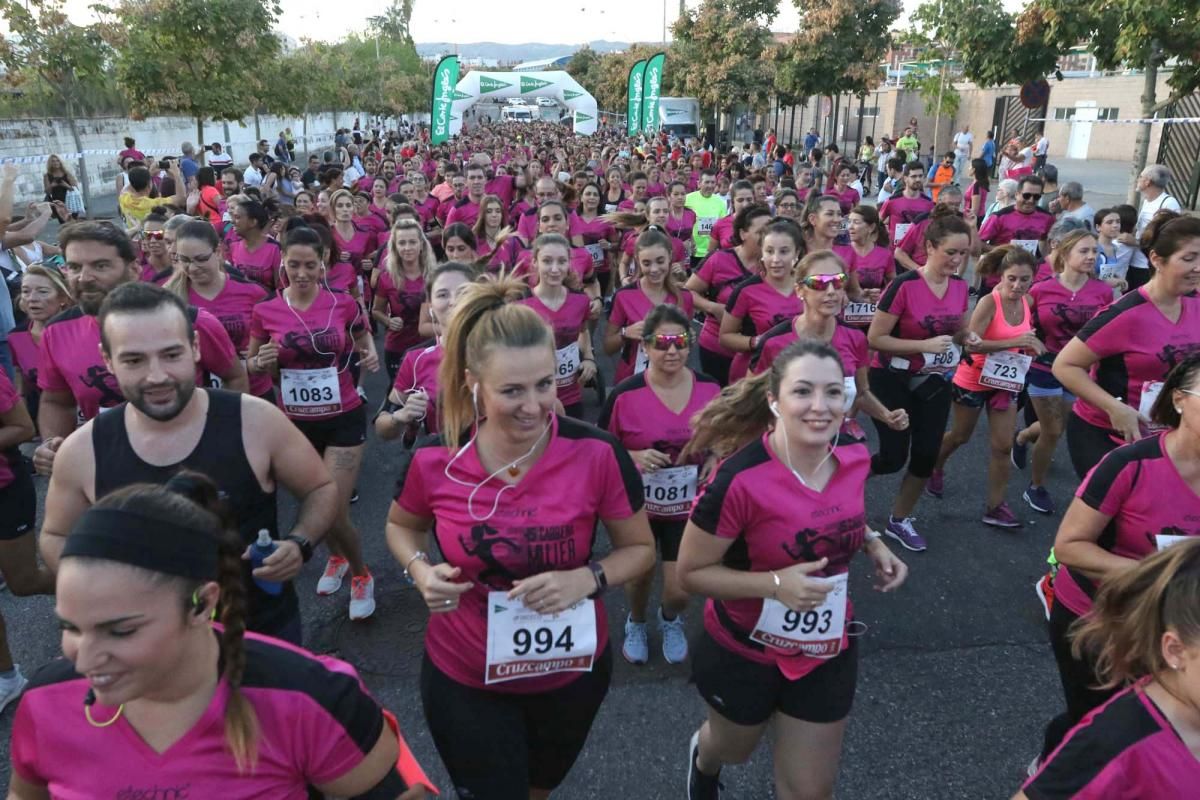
517 114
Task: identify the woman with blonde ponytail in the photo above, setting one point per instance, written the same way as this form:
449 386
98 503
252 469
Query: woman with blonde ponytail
517 491
769 542
1144 635
145 576
399 289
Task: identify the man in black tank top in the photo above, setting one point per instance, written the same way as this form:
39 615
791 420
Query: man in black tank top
245 445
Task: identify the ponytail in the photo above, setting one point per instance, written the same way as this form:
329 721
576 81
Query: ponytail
870 215
1000 259
485 316
1135 608
1063 247
653 237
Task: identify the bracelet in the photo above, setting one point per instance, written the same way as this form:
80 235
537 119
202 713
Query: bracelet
623 332
589 358
778 583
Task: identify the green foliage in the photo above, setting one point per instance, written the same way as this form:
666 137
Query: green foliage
993 48
929 86
203 58
393 23
606 75
721 54
837 49
51 62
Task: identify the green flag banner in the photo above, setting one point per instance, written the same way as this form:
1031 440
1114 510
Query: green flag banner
651 90
445 78
487 84
634 120
532 84
569 94
461 95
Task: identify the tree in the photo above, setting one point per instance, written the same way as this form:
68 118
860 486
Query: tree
837 49
45 50
393 23
203 58
1142 34
721 52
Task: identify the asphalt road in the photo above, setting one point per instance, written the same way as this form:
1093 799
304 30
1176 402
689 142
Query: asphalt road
956 678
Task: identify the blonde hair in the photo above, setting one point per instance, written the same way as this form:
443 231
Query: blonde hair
804 265
54 276
334 196
426 259
1058 258
1135 608
486 316
571 281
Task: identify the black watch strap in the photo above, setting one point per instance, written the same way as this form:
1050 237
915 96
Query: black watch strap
306 548
601 579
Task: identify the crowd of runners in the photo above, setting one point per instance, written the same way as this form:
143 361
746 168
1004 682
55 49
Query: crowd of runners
729 321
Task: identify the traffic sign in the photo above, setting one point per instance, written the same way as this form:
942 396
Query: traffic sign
1035 94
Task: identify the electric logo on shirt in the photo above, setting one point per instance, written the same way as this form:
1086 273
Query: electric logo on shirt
182 792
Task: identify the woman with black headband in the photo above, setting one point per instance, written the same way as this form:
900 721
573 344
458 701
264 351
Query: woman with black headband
154 697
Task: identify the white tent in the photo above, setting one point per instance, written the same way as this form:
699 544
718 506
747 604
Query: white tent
562 87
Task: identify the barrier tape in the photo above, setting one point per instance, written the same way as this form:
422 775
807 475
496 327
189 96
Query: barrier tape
314 139
1143 121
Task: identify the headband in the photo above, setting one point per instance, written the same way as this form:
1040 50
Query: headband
127 537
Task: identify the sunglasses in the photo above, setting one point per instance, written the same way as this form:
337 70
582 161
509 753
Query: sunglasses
664 341
1031 195
820 283
154 235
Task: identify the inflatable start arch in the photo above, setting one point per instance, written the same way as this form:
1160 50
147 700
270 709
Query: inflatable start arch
560 86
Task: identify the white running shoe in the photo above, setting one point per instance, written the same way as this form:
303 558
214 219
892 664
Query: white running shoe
362 596
331 580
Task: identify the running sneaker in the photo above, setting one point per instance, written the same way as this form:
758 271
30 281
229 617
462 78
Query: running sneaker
699 785
675 644
1039 499
935 486
11 688
902 531
331 580
1001 517
362 596
1020 452
1045 592
637 645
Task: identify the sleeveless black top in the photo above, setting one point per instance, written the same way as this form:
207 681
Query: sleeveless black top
221 456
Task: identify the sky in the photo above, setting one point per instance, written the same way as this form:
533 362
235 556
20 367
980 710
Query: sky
550 21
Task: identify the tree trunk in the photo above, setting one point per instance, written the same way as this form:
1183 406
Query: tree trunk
200 139
85 184
937 117
257 129
1141 147
304 117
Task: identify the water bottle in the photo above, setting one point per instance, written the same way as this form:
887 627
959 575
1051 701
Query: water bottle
258 553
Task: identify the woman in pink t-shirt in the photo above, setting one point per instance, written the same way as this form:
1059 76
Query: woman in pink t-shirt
1003 321
44 294
650 414
758 304
919 330
647 214
596 235
1144 636
399 285
154 693
680 220
868 255
516 657
769 542
413 400
567 312
491 221
631 304
1115 365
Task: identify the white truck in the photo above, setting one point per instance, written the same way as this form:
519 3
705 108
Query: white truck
679 116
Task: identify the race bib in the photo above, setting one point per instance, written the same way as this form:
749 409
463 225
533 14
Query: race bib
858 313
817 633
213 381
1165 540
901 229
851 391
1028 245
1150 392
597 253
310 392
1112 271
641 360
941 363
568 364
1005 370
522 643
670 492
704 225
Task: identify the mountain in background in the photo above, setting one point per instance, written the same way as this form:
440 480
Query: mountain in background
513 53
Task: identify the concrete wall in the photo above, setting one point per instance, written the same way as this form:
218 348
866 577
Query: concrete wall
30 141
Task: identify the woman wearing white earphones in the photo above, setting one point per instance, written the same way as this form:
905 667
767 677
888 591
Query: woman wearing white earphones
517 660
414 396
769 543
307 334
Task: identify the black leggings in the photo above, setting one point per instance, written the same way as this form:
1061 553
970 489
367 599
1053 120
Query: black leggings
928 407
715 366
1087 444
1078 678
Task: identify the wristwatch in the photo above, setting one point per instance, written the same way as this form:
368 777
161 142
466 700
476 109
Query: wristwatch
420 555
306 548
601 579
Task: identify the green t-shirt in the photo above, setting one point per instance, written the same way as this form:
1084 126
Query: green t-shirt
708 210
910 145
